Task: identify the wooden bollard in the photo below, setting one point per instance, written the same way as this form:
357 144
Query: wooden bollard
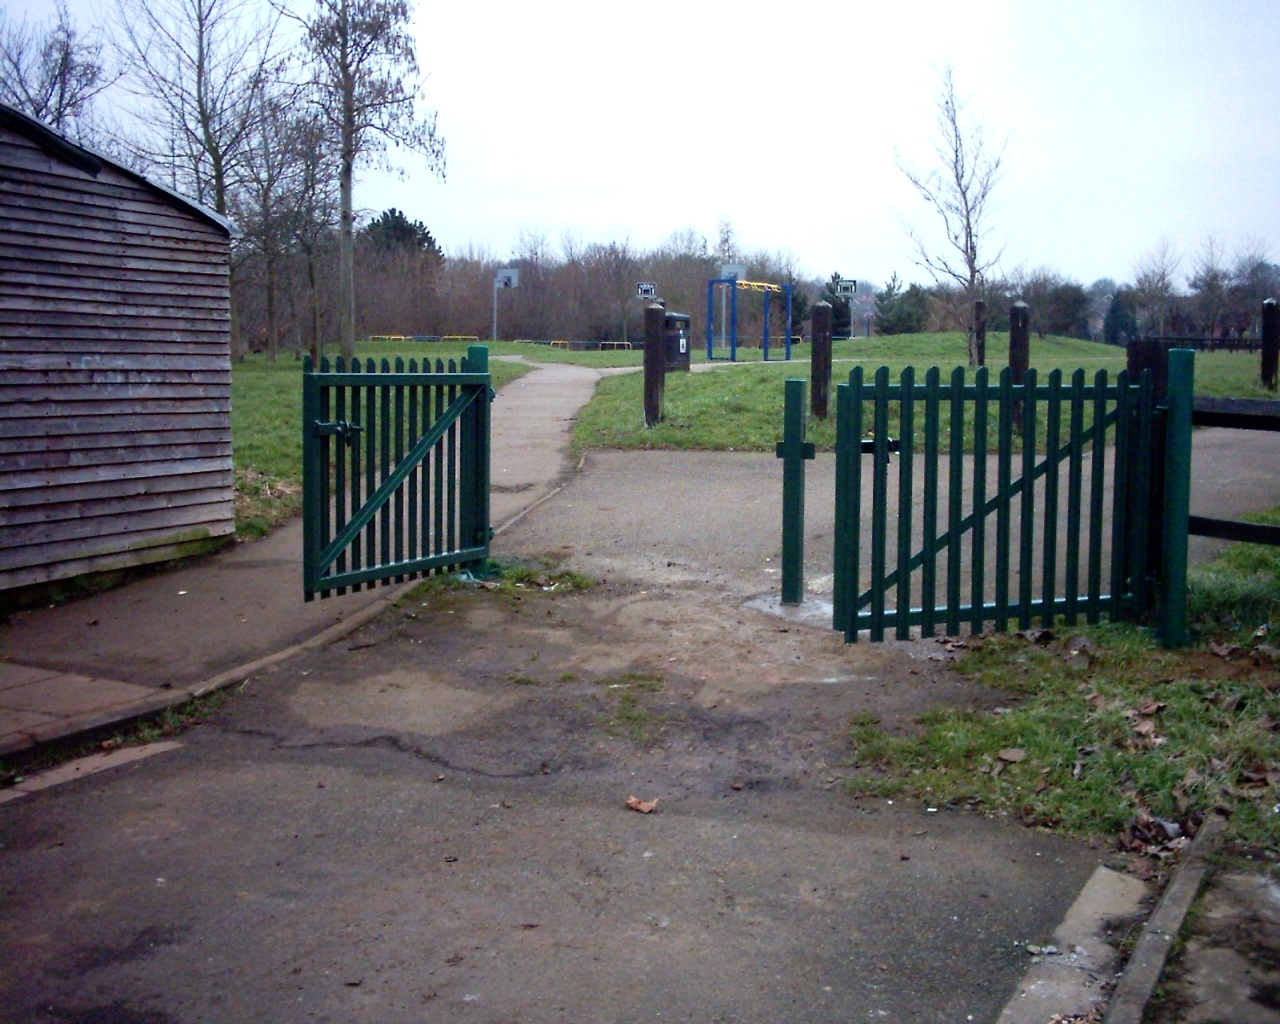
1019 340
1270 342
655 364
980 331
820 360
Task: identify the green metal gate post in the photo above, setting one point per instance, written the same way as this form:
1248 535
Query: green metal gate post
793 451
482 532
1177 498
310 472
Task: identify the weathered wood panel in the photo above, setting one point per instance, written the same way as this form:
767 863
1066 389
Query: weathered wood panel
76 458
111 489
22 545
115 382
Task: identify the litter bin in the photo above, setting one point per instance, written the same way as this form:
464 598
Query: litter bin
676 335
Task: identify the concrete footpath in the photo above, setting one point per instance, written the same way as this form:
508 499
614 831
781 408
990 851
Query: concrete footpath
149 645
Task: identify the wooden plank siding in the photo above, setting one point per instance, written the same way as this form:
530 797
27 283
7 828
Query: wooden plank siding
115 368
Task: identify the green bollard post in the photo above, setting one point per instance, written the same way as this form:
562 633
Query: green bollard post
1177 497
793 450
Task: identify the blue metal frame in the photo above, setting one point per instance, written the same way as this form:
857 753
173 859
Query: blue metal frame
733 320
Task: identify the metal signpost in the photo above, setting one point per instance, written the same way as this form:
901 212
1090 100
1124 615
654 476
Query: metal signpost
507 277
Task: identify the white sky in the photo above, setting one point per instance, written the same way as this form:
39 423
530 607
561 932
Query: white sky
1127 121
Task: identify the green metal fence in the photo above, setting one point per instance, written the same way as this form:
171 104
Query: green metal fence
1010 504
395 470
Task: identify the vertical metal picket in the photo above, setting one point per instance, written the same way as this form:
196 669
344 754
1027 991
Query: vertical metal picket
340 470
1004 475
978 558
1053 437
880 498
1121 503
1027 524
955 488
853 495
906 446
1097 481
929 513
1075 482
843 511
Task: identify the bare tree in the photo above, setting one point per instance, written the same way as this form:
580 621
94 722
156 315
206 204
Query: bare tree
1209 282
314 215
365 71
271 188
1154 274
959 191
198 65
52 73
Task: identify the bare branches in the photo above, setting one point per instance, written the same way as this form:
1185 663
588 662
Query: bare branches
53 73
959 191
198 65
364 72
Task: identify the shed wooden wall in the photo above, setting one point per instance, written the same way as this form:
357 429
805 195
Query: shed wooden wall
115 372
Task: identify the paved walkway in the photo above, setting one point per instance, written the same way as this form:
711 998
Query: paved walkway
151 644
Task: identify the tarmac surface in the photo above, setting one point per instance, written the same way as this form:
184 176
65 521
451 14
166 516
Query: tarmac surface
425 819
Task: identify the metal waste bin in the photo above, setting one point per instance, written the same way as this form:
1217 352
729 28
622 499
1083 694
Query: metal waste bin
677 330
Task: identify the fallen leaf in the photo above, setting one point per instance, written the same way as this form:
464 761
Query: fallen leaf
1223 650
1145 727
735 785
1041 786
1012 754
1152 708
643 806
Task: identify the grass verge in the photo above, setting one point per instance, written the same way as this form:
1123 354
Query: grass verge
1105 733
739 408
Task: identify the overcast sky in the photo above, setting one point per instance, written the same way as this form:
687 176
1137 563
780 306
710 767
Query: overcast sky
1125 122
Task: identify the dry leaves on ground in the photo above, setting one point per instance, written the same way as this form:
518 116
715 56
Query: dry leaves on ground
643 806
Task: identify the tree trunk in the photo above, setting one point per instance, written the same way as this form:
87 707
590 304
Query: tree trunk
273 337
346 239
316 346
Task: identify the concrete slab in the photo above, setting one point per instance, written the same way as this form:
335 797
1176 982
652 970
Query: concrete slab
65 695
21 675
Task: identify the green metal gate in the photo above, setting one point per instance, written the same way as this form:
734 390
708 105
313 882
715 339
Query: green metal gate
395 470
1079 486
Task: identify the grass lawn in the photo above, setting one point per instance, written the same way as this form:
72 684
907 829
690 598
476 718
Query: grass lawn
266 431
1108 733
739 408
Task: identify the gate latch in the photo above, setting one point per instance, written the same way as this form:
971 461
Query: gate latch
339 428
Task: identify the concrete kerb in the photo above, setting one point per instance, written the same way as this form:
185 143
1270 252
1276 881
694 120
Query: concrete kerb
1146 964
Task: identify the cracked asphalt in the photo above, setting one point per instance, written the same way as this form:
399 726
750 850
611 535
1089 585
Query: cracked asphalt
426 822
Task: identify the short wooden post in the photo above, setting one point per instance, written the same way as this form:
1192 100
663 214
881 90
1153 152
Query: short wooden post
1019 340
655 364
1149 354
980 331
1270 342
820 360
1019 351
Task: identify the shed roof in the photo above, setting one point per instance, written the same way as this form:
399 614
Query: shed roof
91 163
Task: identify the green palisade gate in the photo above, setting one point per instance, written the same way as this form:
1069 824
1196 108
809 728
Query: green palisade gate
395 470
1077 523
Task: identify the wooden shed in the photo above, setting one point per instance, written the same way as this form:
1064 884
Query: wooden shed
115 364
